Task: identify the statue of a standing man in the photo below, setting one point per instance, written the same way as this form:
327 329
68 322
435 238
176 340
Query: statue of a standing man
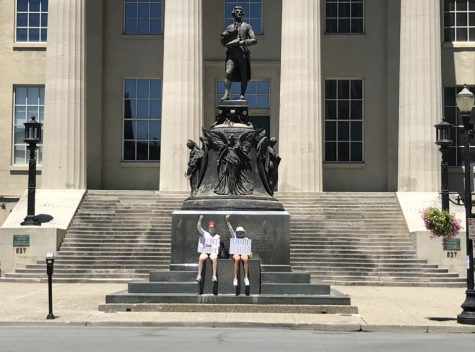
236 38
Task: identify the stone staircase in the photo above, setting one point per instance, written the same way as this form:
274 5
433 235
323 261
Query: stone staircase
115 236
357 239
339 238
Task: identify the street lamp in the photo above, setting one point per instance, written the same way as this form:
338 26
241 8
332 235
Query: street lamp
49 271
32 138
443 140
465 100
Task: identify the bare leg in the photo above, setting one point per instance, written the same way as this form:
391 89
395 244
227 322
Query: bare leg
236 258
214 260
245 260
201 260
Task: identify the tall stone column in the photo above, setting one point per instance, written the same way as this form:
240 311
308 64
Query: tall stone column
64 164
182 110
300 144
420 95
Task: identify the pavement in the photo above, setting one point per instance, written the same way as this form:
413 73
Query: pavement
380 308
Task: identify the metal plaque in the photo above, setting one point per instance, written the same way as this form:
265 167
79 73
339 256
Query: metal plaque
21 240
452 245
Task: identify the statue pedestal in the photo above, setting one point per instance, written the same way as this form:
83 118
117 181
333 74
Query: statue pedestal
268 230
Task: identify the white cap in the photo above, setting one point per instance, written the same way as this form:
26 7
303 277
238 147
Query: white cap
240 229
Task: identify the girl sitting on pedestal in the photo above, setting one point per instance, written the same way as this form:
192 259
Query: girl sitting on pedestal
208 246
239 253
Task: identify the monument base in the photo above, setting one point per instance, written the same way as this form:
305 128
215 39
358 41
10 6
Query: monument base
268 230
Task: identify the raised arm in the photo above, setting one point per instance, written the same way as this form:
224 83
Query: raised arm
198 226
230 227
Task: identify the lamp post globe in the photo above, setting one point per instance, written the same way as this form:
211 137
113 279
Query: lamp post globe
465 100
33 136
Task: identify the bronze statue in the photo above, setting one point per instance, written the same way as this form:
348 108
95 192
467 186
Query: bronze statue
197 162
236 38
268 163
233 159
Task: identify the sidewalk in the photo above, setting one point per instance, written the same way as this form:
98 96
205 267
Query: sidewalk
413 309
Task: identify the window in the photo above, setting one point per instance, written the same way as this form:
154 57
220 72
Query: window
344 121
451 114
344 16
459 20
31 20
252 13
257 93
142 119
143 17
29 101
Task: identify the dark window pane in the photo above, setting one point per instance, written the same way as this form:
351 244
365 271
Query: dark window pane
34 20
44 35
129 130
330 89
343 131
21 35
461 19
462 35
452 157
155 109
343 109
156 10
142 130
343 89
155 26
330 151
331 26
356 10
449 5
356 109
332 10
471 5
344 10
155 88
356 26
461 5
143 25
155 130
22 5
330 131
471 33
344 26
22 20
449 19
44 5
144 10
449 35
356 89
129 150
255 10
356 152
130 10
449 114
34 35
142 88
44 20
330 109
130 88
154 151
343 151
128 109
356 131
449 96
34 5
142 150
142 109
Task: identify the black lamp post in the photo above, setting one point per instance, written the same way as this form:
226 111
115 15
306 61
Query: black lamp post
32 138
49 271
465 101
443 140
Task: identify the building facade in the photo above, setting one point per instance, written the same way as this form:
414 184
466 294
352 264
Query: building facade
352 89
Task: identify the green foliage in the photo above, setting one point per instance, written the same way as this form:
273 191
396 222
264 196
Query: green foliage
441 223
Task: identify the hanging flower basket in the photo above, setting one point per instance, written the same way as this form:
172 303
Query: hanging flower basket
441 223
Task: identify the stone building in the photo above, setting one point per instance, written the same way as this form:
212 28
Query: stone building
352 89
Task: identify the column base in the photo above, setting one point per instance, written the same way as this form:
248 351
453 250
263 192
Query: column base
31 220
468 314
